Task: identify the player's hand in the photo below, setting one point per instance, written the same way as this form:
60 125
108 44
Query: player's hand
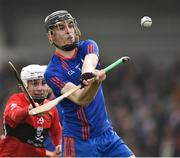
50 153
31 107
58 150
89 77
100 75
85 77
56 153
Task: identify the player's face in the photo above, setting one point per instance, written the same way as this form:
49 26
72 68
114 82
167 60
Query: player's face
38 88
64 33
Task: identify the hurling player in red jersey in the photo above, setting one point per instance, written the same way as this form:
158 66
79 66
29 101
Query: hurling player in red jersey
25 134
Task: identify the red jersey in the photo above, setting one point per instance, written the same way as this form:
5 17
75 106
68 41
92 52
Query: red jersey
25 134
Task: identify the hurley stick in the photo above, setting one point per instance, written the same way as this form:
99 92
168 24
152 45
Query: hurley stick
22 84
46 107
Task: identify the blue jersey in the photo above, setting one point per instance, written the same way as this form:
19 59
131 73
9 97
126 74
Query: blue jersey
78 122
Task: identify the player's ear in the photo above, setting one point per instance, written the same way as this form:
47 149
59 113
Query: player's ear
51 31
21 88
50 36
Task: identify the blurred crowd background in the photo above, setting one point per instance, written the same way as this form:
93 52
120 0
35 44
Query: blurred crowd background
143 96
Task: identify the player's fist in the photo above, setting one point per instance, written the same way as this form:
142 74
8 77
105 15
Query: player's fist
85 77
100 75
58 150
31 107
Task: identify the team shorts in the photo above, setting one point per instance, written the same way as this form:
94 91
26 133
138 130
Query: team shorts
109 144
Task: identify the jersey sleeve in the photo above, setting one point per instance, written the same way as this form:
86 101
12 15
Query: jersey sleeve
15 112
90 47
56 129
56 81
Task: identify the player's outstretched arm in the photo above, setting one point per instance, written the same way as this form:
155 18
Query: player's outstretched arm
86 94
90 63
90 80
70 88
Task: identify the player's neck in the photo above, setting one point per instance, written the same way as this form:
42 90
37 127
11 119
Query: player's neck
67 54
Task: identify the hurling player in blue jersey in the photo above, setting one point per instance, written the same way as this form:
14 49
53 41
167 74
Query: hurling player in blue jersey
87 131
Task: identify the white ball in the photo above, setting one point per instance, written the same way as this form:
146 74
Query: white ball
146 21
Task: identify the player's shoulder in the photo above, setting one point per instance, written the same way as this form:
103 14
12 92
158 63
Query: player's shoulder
17 96
86 43
51 70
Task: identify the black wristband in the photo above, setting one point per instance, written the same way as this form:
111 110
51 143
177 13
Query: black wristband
86 76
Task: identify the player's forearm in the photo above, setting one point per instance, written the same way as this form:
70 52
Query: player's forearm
90 63
90 90
83 96
88 94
